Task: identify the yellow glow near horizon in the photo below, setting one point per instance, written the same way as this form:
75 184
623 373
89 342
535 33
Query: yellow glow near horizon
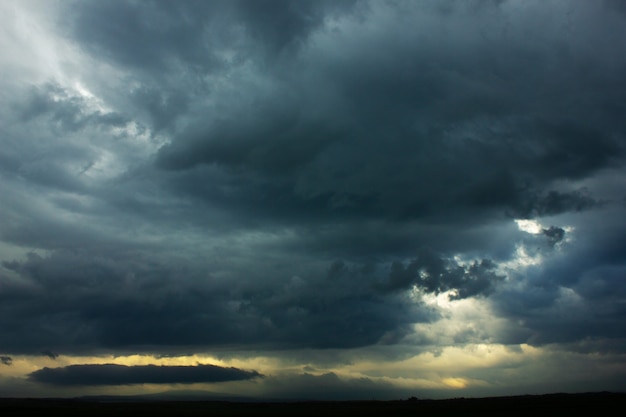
453 368
455 382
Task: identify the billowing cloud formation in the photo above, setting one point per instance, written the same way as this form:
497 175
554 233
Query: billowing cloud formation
196 176
435 275
162 303
111 374
6 360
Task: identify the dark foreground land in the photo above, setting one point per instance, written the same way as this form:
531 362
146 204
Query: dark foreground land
595 404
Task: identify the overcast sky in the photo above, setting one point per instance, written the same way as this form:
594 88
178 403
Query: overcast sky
312 199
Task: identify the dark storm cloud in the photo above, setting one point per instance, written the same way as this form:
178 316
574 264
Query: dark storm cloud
435 275
78 302
301 140
251 143
74 303
155 40
284 23
554 234
442 115
574 298
111 374
554 202
154 32
159 32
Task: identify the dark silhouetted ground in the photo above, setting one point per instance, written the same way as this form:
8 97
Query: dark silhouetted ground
594 404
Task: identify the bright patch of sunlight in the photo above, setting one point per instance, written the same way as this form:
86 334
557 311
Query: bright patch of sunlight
529 226
455 382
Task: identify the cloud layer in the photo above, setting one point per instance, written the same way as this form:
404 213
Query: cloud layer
263 177
111 374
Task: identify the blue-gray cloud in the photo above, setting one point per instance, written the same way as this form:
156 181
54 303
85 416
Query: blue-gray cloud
111 374
299 173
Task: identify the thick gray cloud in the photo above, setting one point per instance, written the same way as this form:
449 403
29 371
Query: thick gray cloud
436 275
127 302
575 297
111 374
155 35
188 176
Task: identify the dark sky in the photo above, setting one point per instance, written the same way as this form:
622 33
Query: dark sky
333 199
